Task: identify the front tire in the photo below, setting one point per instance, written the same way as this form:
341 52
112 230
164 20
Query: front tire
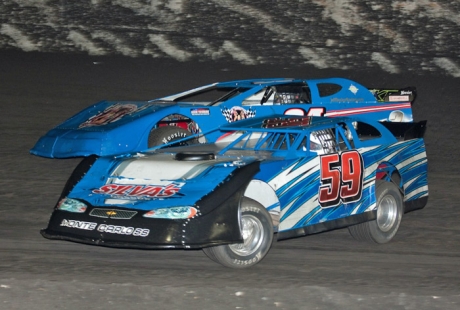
257 231
390 209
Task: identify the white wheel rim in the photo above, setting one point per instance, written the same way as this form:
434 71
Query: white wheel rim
387 213
253 234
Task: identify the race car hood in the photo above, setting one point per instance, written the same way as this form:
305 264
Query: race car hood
156 181
101 129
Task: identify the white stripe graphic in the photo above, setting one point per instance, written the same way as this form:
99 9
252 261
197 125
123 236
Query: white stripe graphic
368 109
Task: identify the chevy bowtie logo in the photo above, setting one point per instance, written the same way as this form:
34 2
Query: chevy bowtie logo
113 213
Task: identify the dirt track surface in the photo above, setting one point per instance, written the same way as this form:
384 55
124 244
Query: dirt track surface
419 269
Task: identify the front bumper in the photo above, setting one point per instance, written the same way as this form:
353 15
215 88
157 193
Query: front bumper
215 228
216 224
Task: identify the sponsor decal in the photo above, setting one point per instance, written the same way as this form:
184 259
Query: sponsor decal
286 122
387 95
78 224
237 113
123 230
112 114
200 111
338 100
406 92
396 116
139 191
353 89
398 98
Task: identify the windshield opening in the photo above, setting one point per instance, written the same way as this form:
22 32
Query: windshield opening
212 96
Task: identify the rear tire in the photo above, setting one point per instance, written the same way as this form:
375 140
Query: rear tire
390 209
257 231
167 134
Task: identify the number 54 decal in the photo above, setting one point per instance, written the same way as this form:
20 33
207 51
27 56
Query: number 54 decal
341 178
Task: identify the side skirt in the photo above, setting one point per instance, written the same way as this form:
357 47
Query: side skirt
329 225
415 204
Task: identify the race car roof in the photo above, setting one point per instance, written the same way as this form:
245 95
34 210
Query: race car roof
344 87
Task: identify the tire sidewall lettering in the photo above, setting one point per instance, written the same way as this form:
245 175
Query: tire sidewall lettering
255 257
249 261
166 134
250 209
174 136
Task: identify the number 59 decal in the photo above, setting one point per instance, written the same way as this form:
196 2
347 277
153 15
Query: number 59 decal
341 178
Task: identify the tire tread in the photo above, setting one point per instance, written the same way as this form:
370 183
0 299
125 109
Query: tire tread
364 231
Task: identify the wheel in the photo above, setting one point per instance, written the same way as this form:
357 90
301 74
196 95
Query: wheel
166 134
257 231
389 213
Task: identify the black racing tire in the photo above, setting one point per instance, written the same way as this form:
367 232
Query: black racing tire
166 134
257 230
390 208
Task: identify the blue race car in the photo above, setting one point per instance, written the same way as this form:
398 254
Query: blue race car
287 175
111 128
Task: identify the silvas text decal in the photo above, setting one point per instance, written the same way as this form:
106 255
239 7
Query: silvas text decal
139 191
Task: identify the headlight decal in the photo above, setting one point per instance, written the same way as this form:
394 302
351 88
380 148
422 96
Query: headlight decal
172 213
71 205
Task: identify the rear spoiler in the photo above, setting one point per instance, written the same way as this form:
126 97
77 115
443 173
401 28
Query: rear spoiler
406 131
394 95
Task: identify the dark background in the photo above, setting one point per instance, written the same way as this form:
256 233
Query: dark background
47 75
395 35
